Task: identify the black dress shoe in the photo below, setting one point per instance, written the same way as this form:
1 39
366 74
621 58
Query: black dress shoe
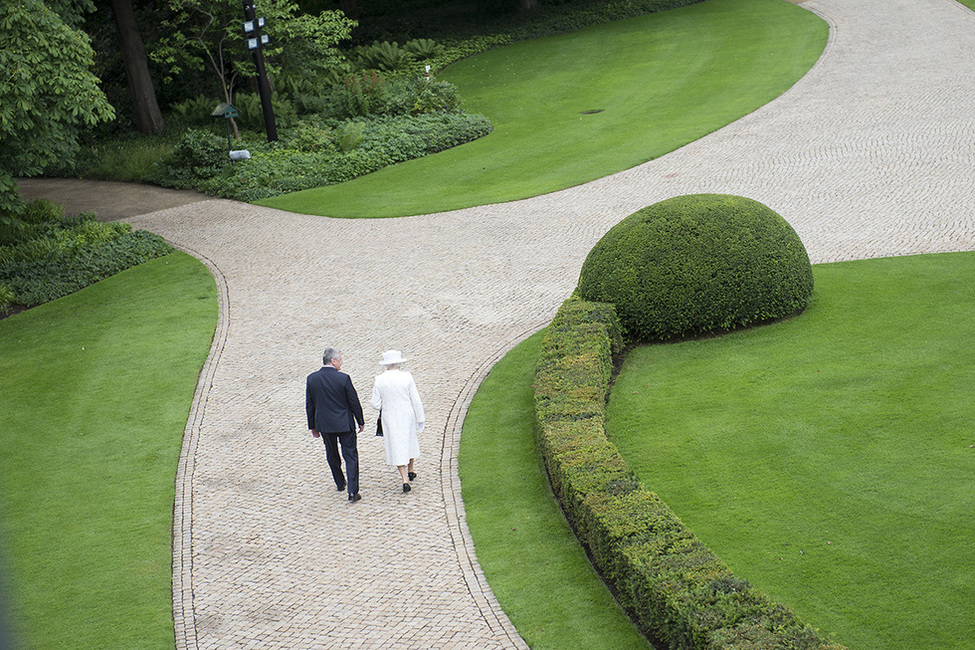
355 497
406 487
412 475
340 487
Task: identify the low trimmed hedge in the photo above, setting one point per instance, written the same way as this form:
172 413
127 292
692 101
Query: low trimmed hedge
677 591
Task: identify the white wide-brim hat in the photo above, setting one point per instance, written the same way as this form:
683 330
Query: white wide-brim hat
392 357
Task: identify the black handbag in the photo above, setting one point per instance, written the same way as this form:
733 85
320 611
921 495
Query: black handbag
379 424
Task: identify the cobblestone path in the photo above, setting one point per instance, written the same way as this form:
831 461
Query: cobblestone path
869 155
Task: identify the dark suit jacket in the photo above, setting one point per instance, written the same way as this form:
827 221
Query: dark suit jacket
331 402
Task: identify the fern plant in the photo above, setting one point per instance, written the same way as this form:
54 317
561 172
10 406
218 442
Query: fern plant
423 48
6 298
385 56
350 136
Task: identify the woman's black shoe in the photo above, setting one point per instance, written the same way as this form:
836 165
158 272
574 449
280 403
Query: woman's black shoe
412 476
406 487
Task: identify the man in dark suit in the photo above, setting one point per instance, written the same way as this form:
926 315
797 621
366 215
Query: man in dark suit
333 411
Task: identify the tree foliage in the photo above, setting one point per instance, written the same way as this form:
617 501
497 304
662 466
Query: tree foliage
72 12
47 94
208 35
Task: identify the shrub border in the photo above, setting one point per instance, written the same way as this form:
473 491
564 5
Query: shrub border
679 593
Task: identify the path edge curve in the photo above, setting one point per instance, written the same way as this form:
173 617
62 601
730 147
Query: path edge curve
463 543
184 613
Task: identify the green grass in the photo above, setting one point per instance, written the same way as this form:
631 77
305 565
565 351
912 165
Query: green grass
95 390
827 459
661 81
535 566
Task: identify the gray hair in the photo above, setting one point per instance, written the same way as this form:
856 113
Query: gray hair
329 354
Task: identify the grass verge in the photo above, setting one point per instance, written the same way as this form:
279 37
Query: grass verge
95 389
536 568
657 81
827 459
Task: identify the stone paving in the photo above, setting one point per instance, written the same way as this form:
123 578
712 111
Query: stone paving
868 155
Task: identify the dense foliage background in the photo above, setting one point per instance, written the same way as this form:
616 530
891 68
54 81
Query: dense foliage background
352 85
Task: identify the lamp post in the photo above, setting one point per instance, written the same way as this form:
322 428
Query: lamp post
255 40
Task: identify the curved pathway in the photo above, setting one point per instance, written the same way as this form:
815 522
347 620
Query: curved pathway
869 155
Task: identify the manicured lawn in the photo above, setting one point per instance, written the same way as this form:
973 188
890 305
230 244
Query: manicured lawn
536 568
828 459
659 82
95 390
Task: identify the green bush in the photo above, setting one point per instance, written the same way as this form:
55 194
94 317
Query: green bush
423 48
385 56
42 211
363 146
199 154
417 96
370 94
55 255
17 230
251 111
357 96
677 591
63 272
699 264
311 136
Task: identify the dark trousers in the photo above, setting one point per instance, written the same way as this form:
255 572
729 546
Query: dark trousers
349 452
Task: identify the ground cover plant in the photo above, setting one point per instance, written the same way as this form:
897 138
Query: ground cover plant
536 568
364 124
571 108
827 459
95 390
48 255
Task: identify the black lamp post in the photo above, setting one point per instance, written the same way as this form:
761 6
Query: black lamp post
255 40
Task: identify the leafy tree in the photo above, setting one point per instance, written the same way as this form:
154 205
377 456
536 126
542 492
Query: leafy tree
208 34
72 12
47 95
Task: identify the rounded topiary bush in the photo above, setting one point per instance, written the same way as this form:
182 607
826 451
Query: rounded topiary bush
698 264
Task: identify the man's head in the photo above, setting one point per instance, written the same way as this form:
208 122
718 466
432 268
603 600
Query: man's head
332 357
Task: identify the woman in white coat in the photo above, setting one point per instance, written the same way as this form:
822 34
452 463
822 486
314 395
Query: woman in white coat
395 396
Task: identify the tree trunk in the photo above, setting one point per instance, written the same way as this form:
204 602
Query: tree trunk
529 5
148 118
